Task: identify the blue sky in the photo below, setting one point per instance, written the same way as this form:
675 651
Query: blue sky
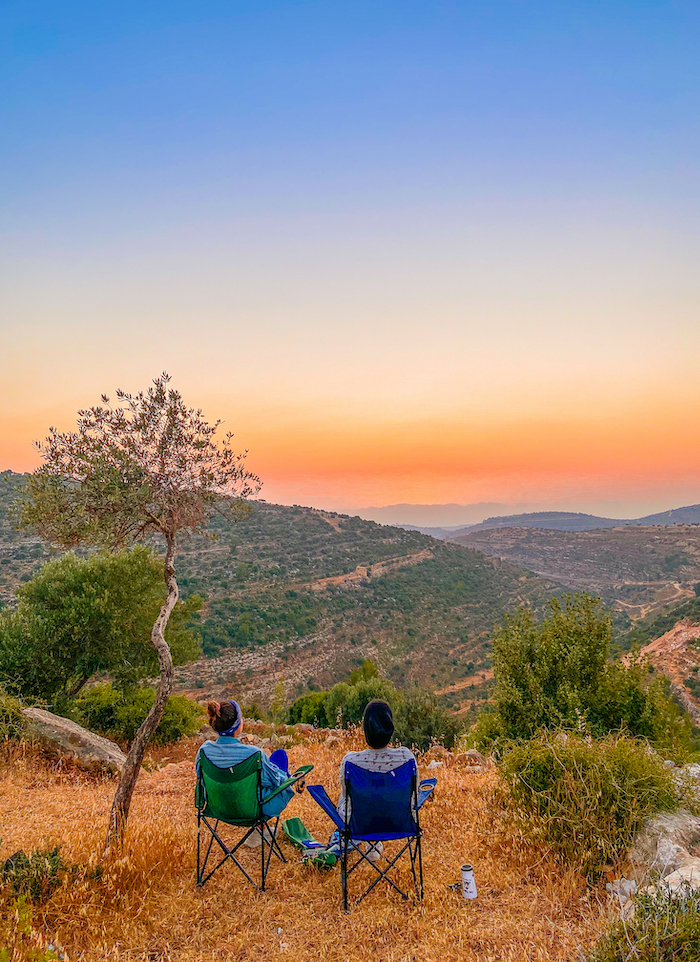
426 214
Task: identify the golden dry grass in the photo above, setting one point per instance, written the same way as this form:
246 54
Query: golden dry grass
146 906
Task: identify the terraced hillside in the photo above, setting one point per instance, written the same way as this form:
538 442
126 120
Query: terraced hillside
297 594
636 570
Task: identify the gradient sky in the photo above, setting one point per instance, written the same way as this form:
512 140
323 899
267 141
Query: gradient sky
410 252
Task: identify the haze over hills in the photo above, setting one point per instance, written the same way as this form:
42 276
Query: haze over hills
438 516
564 521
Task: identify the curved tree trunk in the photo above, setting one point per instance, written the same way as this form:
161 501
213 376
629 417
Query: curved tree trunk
122 798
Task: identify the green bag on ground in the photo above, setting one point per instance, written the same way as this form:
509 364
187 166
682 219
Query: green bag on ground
313 852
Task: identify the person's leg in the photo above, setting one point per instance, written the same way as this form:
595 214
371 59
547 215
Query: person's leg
279 758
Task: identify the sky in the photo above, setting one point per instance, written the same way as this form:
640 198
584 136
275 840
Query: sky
415 252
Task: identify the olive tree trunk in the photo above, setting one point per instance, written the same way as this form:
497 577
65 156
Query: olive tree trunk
122 799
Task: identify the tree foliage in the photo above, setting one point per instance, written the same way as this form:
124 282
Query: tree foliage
419 720
149 465
556 674
82 616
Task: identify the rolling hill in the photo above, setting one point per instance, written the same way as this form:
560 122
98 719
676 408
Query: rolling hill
635 569
304 595
572 521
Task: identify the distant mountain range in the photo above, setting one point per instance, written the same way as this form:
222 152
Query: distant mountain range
439 516
564 521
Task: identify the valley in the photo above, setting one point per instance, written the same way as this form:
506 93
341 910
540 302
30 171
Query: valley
636 570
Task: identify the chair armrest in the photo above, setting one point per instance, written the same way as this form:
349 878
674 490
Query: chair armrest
425 790
300 773
320 795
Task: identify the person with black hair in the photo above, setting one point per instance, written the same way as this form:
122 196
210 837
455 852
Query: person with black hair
226 718
379 756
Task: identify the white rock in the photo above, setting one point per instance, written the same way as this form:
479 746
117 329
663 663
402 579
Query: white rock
622 888
657 844
86 749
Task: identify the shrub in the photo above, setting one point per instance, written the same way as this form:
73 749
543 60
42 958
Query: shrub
663 930
345 704
584 800
420 722
79 617
10 718
556 675
310 709
418 718
118 714
35 875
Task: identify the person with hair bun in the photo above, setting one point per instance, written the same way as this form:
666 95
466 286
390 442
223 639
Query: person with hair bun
226 718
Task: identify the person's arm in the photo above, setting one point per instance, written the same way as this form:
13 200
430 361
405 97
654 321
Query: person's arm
341 797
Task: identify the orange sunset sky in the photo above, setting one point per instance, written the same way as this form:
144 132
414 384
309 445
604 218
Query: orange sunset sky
425 254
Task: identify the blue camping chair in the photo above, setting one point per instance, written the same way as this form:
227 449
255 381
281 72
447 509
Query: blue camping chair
384 807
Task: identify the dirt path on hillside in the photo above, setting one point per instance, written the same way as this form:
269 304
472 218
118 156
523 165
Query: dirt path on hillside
364 573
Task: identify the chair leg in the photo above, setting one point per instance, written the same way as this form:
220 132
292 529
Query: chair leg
261 829
273 848
420 865
199 846
344 871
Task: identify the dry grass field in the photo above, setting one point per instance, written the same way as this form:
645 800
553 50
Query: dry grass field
146 906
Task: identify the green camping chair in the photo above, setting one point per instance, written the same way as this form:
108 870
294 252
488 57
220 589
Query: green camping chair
235 796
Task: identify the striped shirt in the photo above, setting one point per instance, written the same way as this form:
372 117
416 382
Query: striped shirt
373 760
228 751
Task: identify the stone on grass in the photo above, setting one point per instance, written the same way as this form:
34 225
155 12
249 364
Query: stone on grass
665 839
472 759
60 735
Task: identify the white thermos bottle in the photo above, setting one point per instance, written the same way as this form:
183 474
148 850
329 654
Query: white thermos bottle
468 883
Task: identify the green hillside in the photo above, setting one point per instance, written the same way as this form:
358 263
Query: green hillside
424 611
658 623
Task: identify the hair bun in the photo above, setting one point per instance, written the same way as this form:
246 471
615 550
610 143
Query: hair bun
214 709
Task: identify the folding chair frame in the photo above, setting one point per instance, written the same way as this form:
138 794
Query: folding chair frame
348 845
230 853
259 825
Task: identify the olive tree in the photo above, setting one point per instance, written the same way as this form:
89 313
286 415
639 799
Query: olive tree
148 465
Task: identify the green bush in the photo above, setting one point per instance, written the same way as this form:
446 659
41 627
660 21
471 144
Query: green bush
10 718
420 722
118 714
418 718
663 930
310 709
80 617
556 675
345 704
584 800
35 875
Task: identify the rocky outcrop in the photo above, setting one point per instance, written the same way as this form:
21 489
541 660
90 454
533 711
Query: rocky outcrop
664 843
63 736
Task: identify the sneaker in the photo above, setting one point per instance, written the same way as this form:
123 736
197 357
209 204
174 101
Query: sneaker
255 840
373 851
